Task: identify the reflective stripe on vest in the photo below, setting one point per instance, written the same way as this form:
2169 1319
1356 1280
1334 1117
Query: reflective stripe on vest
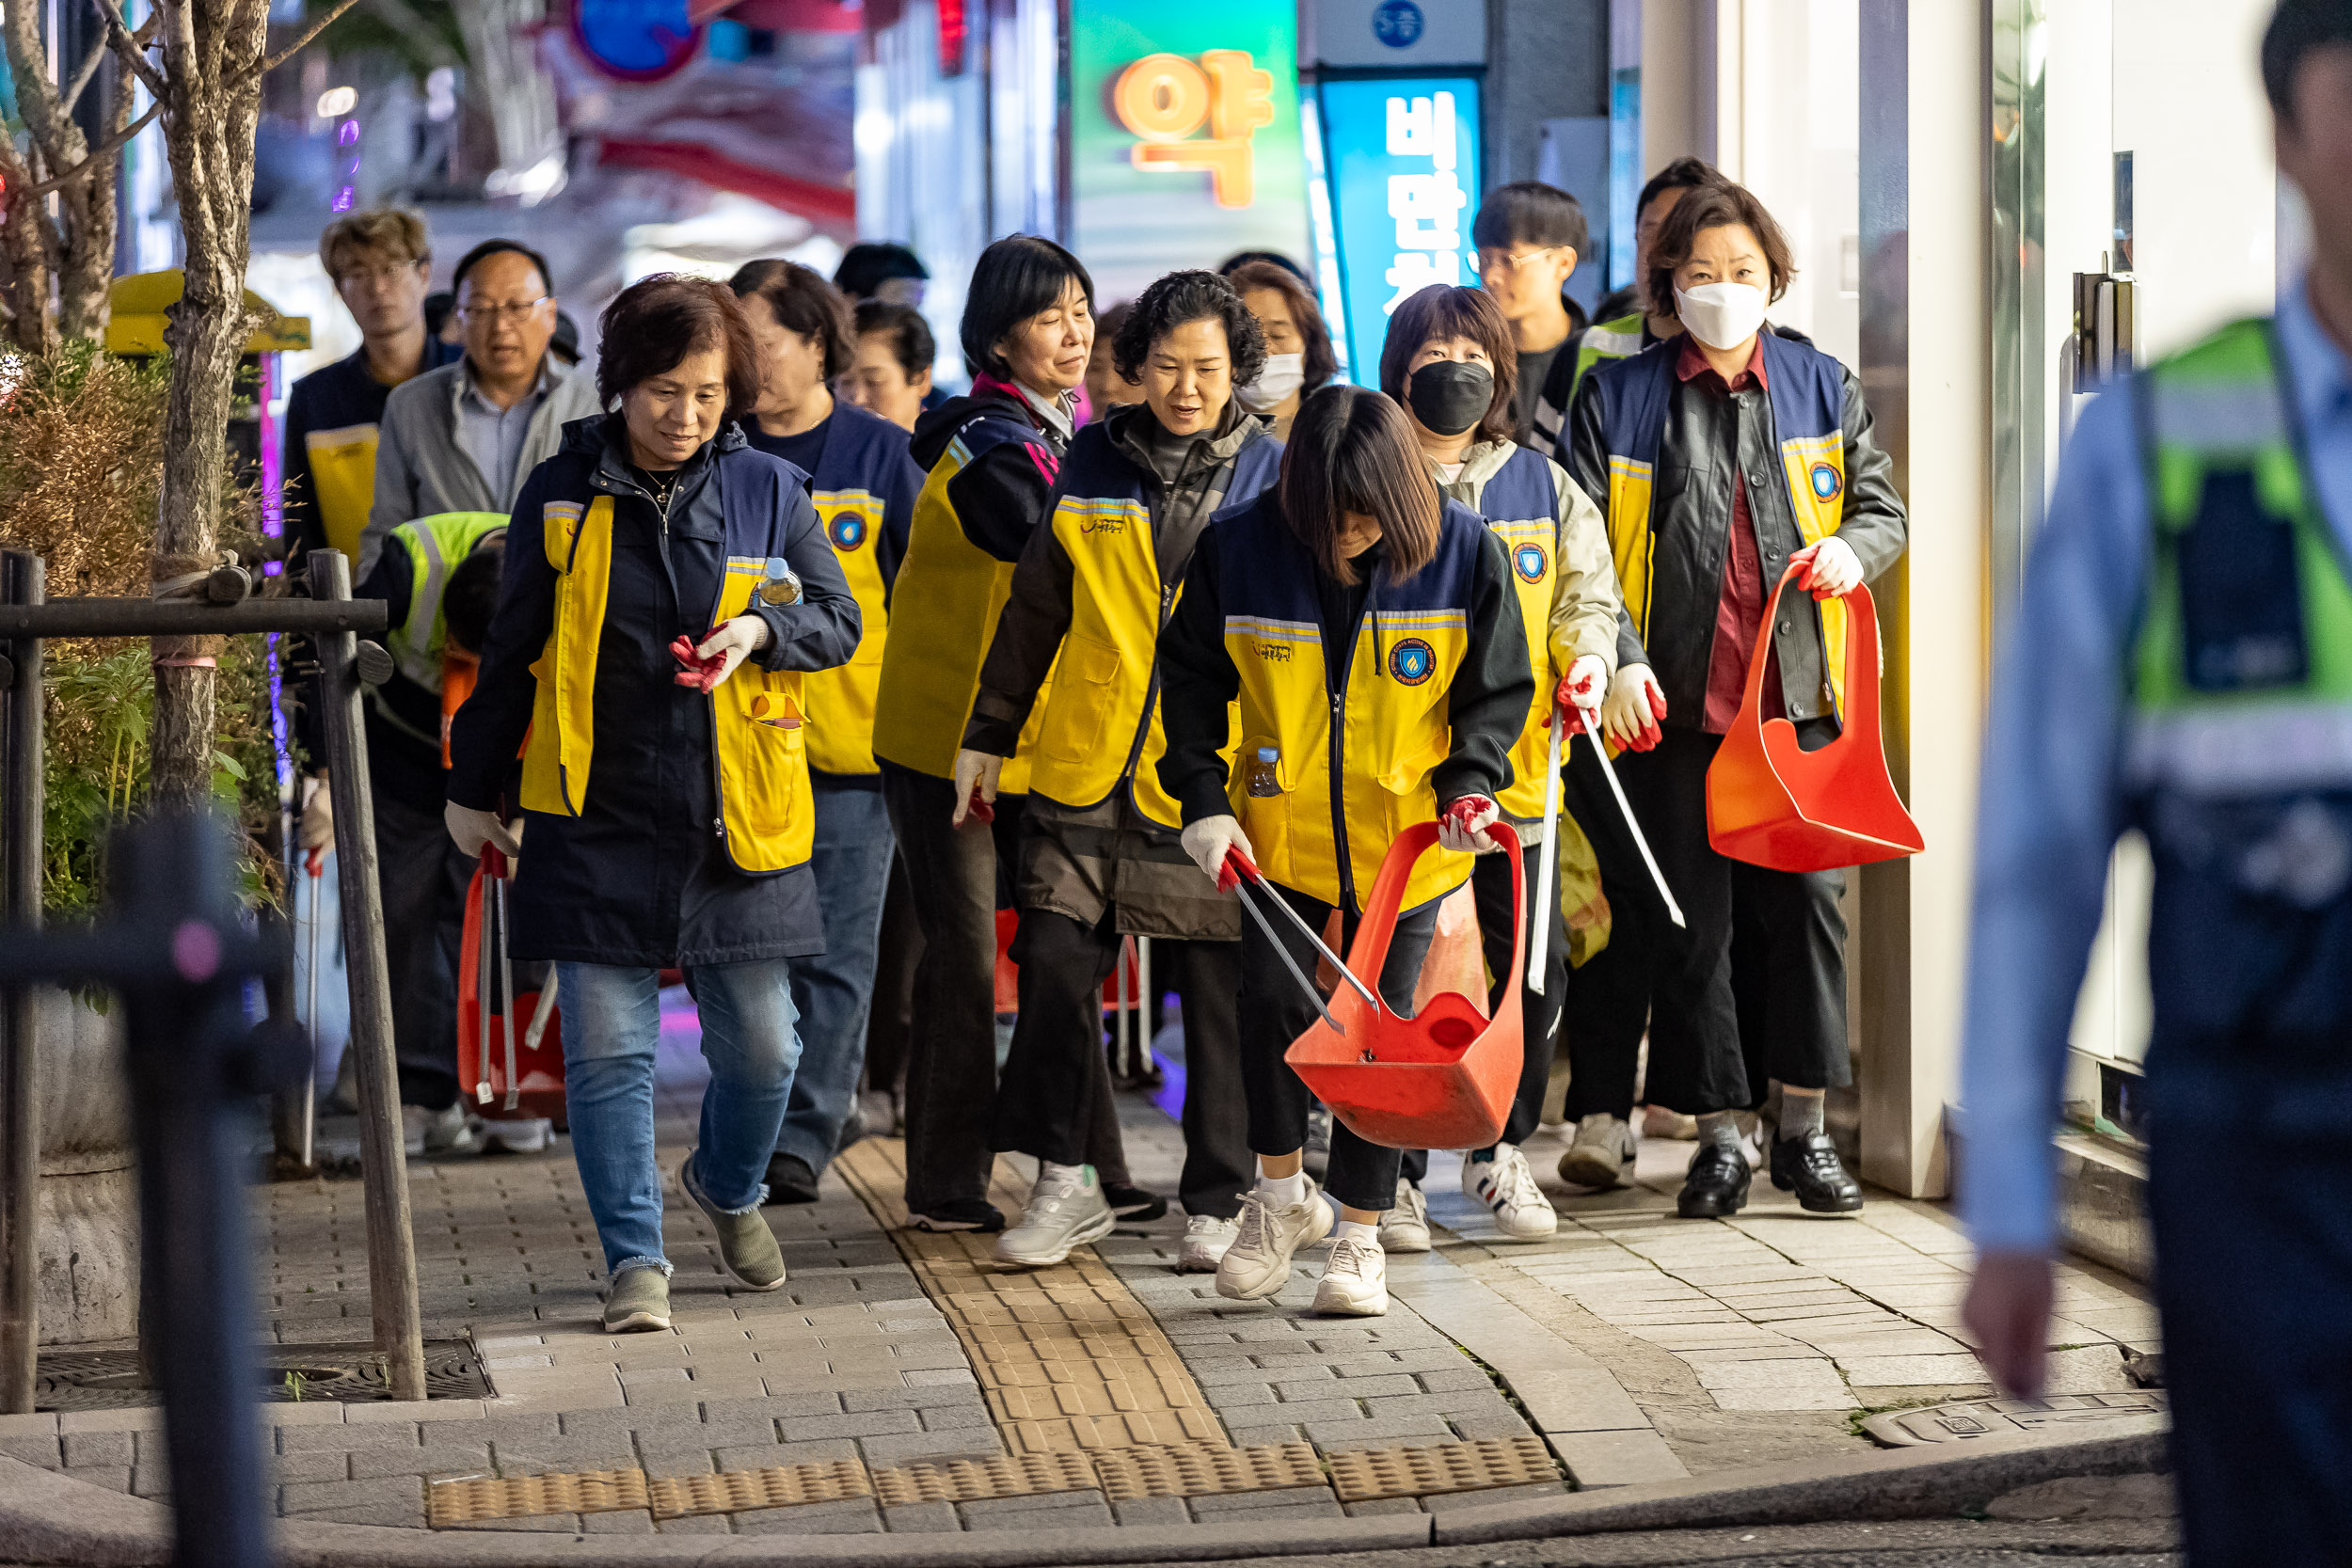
435 544
766 818
1606 341
1371 781
2218 411
948 596
1521 502
841 700
1807 392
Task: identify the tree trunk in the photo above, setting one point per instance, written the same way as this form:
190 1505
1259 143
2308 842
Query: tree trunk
213 51
89 209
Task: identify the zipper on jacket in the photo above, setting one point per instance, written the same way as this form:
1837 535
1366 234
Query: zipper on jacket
1338 747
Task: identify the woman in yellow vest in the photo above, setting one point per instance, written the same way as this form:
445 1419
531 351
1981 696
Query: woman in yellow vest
666 585
1448 361
1369 632
1099 855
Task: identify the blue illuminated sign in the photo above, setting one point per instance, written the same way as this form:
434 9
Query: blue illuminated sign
1397 24
1403 156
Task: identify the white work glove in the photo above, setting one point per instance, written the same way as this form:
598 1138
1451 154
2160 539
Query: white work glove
1585 684
472 829
1462 825
316 828
1832 568
977 773
730 643
1635 704
1207 842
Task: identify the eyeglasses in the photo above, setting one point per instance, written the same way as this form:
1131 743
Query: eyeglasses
1490 260
490 315
382 277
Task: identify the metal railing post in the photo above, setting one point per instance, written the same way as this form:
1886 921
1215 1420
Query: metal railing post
20 788
383 1160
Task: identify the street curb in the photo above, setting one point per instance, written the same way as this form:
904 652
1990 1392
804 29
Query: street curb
49 1518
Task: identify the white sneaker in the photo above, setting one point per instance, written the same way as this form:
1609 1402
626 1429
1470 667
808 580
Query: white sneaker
1405 1227
1355 1282
1061 1215
1206 1237
446 1131
1602 1155
1505 1185
526 1135
1257 1261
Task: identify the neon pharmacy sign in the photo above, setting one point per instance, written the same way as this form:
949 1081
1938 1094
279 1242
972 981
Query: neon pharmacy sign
1163 99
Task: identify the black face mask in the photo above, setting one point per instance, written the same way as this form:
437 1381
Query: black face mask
1449 397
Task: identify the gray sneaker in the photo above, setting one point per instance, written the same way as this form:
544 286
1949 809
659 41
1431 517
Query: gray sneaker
1602 1155
746 1245
1060 1216
638 1303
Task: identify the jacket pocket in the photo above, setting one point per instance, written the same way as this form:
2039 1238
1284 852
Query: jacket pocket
1084 696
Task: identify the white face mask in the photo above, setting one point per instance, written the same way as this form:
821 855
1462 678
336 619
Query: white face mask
1721 315
1284 373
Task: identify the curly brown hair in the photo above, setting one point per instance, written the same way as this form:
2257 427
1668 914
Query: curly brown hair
1181 297
654 323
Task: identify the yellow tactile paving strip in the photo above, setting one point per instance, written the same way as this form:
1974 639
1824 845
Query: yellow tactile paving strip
1068 1358
1201 1470
478 1497
962 1480
1474 1467
776 1486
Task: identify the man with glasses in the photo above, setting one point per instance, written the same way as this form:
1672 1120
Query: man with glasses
464 437
1528 236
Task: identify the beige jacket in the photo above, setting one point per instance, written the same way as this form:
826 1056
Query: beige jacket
1584 598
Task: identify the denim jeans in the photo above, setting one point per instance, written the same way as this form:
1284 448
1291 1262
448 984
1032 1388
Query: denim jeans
612 1027
832 993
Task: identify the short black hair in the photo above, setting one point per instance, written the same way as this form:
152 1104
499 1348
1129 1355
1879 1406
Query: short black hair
1015 278
437 306
2296 28
867 265
492 248
564 346
1189 297
1240 259
1683 174
911 341
472 594
803 302
1532 211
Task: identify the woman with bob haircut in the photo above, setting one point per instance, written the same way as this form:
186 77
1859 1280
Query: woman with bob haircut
1099 857
666 586
1350 595
1722 457
991 458
1448 360
1299 360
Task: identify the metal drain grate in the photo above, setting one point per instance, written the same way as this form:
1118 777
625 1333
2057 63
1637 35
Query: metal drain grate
1476 1466
479 1498
111 1379
778 1486
1964 1420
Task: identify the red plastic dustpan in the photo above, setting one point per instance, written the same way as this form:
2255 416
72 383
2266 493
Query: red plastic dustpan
1442 1079
1772 803
536 1082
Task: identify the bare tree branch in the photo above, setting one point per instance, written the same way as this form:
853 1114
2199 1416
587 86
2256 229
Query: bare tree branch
129 46
404 19
303 41
104 149
82 81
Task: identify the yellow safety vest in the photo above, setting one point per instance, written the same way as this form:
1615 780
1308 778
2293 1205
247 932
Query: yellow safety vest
841 700
757 715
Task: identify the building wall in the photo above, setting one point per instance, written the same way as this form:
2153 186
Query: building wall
1546 59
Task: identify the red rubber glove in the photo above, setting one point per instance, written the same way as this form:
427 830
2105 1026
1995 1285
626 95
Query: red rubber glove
1238 868
1462 825
694 669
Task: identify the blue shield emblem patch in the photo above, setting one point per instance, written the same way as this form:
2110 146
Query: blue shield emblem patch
846 529
1531 562
1827 481
1412 662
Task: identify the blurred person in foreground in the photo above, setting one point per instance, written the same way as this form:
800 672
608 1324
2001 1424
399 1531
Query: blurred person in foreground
2180 661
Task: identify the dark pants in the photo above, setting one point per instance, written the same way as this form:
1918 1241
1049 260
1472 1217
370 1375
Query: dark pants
1540 1016
1275 1012
1794 929
1607 996
2251 1294
1056 1090
951 1065
890 1024
422 878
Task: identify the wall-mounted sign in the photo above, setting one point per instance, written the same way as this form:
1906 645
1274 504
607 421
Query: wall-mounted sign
637 40
1400 35
1403 156
1184 138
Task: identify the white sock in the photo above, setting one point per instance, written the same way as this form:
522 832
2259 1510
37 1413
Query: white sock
1052 1175
1356 1230
1283 1191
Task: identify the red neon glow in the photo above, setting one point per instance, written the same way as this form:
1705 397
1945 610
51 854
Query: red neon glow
955 27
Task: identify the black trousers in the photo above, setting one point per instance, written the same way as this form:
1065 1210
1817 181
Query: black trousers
422 878
890 1022
1275 1012
1609 996
1540 1016
1795 1013
1055 1089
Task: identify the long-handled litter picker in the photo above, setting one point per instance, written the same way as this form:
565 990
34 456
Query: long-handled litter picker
1600 749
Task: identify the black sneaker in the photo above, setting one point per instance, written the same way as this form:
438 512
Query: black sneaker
961 1213
1134 1203
1717 1185
789 1179
1808 1165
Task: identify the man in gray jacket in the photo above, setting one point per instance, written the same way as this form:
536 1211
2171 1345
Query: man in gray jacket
464 437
